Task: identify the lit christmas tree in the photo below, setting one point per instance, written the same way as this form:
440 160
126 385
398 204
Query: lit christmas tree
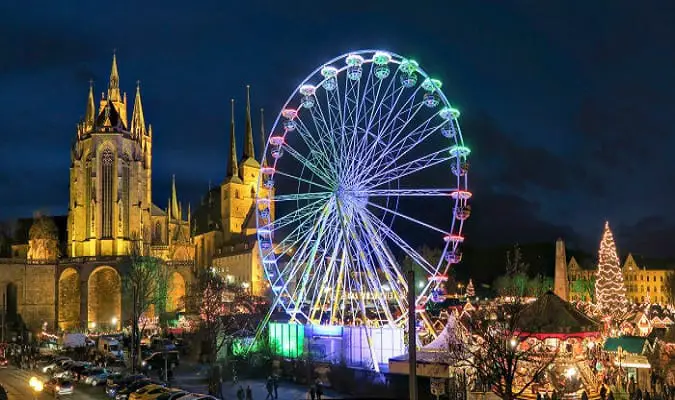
470 292
610 292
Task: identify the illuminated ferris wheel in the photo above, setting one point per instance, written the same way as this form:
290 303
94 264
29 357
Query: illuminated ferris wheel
358 155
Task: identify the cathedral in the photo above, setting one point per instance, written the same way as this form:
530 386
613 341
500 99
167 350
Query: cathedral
66 273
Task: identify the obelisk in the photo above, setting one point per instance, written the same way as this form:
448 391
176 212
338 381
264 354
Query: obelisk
561 285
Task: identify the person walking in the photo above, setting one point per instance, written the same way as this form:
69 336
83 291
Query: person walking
275 382
311 393
319 390
603 391
240 393
270 388
584 395
249 393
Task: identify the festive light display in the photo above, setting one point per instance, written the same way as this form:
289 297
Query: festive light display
347 156
470 291
610 291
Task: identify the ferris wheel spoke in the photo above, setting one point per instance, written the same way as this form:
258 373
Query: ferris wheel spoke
396 239
323 128
309 249
314 144
310 165
399 145
301 214
302 196
392 142
430 192
300 179
418 222
387 262
410 167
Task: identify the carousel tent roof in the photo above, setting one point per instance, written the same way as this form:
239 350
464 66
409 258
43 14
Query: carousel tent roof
551 314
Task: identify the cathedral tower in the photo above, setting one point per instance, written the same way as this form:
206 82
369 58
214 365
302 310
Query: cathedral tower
110 176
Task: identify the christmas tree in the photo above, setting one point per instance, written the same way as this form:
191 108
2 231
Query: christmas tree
470 292
610 292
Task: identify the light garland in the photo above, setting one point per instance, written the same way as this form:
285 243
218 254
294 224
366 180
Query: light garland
610 291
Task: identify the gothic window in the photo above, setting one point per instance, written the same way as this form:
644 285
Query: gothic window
107 180
126 183
88 196
157 234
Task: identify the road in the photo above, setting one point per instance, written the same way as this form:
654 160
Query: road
15 382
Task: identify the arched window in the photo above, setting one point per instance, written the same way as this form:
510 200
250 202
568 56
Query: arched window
157 234
88 196
107 180
126 184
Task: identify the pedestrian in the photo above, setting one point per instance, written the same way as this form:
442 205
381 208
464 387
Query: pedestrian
638 394
539 396
249 393
603 391
319 390
610 395
270 388
311 393
647 395
240 393
584 395
276 386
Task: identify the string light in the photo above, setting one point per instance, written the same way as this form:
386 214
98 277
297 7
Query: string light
610 291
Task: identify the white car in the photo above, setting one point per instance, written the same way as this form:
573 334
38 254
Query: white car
56 364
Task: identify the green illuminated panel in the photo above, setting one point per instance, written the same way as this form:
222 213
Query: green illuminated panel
287 340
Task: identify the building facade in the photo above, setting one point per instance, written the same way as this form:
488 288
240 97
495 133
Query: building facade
644 283
110 212
225 223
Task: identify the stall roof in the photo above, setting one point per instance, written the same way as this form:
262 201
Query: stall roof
629 344
550 314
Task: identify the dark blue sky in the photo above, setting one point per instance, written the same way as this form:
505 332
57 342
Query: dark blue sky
567 105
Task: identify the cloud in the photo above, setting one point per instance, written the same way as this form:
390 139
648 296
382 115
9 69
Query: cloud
651 235
33 43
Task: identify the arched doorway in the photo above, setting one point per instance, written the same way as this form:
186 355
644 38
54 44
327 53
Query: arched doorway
104 294
176 293
69 299
12 305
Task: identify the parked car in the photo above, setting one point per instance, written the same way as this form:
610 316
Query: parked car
175 394
148 392
59 386
57 363
116 382
124 394
86 375
156 361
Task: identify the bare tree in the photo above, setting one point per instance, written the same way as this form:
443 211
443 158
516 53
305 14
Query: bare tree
514 262
146 284
497 351
225 309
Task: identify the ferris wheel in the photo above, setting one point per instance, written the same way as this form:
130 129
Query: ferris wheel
366 152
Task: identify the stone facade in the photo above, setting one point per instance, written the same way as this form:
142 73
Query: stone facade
110 212
225 223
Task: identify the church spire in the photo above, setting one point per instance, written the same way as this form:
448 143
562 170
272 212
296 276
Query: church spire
232 167
263 162
137 117
174 199
114 84
248 138
91 110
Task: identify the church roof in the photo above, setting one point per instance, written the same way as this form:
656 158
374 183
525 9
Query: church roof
109 118
155 211
551 314
206 217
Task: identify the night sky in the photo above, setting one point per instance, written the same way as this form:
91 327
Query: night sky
568 108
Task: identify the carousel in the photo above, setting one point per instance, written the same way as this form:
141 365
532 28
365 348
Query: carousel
554 329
